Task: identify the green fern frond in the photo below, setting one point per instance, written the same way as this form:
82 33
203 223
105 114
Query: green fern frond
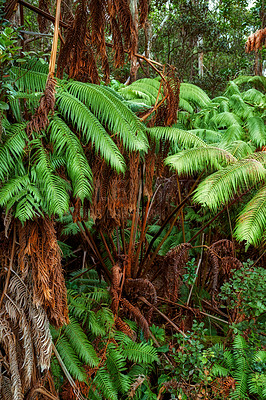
232 133
238 148
51 186
194 94
28 203
12 188
232 89
251 224
197 159
111 112
105 384
146 89
91 129
65 142
253 96
257 131
207 135
70 359
258 82
218 370
12 149
239 107
259 356
175 135
184 105
27 80
225 119
140 352
116 364
236 178
80 343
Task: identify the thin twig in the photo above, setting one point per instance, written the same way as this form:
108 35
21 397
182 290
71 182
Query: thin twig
197 271
166 318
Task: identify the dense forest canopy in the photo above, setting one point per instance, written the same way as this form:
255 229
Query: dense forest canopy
133 199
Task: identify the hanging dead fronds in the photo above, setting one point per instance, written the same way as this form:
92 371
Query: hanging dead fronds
168 277
9 8
221 262
43 22
25 339
86 37
39 120
39 250
256 41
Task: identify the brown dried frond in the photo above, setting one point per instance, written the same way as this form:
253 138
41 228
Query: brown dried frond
10 6
122 326
39 120
98 19
173 267
8 343
256 41
135 312
76 55
128 29
43 22
223 247
136 384
43 254
118 47
143 10
149 171
133 183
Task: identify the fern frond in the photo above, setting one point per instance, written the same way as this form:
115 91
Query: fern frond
184 105
257 81
51 186
175 135
197 159
238 148
111 112
225 119
65 142
116 364
80 343
90 127
207 135
253 96
141 353
218 370
12 149
257 131
105 385
251 224
70 359
194 94
239 107
232 89
27 80
232 133
236 178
